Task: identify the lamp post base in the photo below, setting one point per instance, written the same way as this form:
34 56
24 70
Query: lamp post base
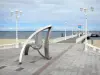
86 49
65 38
17 46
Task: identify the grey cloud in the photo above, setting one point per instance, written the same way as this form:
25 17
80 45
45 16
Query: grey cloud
57 2
45 10
19 1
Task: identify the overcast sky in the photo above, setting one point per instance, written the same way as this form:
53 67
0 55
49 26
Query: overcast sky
38 13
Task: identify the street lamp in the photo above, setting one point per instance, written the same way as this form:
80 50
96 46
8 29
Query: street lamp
85 10
72 31
72 27
17 13
65 30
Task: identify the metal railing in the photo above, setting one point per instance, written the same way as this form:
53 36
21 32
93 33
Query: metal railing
94 47
78 40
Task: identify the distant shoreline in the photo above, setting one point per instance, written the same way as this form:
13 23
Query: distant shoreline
45 31
26 34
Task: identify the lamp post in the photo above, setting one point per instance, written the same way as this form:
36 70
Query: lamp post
65 31
85 10
17 14
72 30
79 29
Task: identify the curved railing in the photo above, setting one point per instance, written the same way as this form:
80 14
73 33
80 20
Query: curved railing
94 47
46 44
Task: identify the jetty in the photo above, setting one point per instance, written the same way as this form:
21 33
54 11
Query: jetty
70 40
68 58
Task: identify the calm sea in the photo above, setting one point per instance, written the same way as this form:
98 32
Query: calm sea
26 34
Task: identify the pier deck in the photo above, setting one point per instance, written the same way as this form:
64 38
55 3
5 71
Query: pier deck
70 40
67 59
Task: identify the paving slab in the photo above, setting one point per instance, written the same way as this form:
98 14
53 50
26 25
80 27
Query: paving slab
76 62
70 40
66 62
67 59
31 63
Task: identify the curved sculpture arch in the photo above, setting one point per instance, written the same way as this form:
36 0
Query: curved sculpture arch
31 36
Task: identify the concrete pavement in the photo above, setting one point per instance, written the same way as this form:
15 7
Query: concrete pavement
31 63
67 59
70 40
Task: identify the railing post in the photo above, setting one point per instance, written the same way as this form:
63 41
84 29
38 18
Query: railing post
92 42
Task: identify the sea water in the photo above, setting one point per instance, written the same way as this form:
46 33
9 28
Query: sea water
26 34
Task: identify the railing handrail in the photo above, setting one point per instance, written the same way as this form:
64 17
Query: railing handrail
81 38
94 47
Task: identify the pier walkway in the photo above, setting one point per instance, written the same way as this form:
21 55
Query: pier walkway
70 40
76 62
67 59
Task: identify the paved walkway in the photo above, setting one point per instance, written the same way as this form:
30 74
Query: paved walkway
31 63
71 40
76 62
67 59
